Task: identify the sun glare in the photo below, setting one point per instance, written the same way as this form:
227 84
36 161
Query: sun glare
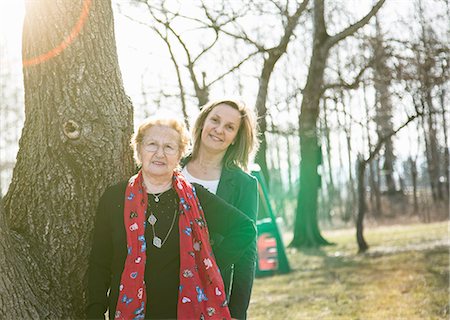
11 17
11 23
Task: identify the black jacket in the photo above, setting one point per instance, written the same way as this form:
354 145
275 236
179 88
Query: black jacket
240 190
108 252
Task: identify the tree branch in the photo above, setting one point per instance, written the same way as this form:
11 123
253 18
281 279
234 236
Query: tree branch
383 139
346 85
233 68
331 41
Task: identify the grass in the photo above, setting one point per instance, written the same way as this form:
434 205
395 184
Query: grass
404 275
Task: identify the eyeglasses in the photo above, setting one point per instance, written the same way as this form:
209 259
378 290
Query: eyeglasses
168 148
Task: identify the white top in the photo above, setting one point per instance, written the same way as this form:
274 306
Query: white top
210 185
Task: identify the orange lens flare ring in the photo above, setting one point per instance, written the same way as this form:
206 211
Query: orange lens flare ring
66 42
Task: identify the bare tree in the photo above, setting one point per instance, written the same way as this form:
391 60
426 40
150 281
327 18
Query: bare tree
73 145
306 229
193 55
361 165
426 76
271 55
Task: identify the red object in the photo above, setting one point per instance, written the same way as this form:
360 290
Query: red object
267 252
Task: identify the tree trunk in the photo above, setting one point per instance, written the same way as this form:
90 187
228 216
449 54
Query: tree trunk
375 188
383 118
446 147
331 187
261 157
361 166
429 137
287 139
434 159
350 212
413 168
362 244
388 167
306 228
73 145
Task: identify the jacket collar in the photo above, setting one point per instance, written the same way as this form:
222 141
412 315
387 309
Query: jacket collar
226 183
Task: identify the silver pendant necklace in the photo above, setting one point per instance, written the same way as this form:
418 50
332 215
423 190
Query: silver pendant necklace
156 196
157 242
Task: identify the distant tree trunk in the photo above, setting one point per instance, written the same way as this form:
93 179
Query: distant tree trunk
290 154
375 187
434 158
351 181
341 204
74 144
446 146
330 186
362 244
413 168
426 63
428 124
289 162
349 184
382 80
388 167
361 166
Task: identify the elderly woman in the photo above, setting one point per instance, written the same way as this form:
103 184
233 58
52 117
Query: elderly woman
151 255
225 136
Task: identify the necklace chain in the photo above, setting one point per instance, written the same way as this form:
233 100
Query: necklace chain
157 240
156 196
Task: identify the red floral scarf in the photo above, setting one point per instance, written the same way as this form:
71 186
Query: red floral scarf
201 293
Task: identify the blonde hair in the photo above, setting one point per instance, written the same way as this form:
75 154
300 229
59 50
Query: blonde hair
246 143
172 123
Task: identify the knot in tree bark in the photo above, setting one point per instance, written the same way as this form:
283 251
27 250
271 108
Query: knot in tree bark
71 129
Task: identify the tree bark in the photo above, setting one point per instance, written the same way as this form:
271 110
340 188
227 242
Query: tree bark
446 147
413 168
433 152
374 182
375 188
350 211
74 144
362 244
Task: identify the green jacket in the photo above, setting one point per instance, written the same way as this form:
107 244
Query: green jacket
239 189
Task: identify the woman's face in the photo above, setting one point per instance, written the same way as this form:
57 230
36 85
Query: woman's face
159 151
220 128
